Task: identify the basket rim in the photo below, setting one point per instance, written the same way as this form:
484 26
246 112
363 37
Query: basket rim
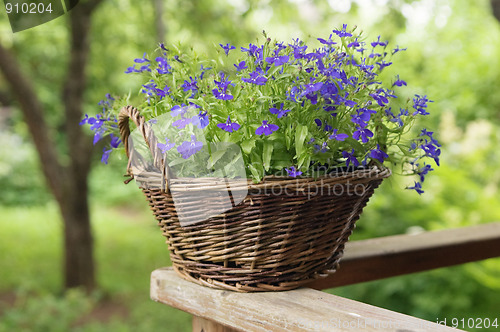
363 175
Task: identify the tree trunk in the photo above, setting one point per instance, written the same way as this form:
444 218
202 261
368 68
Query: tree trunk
78 241
68 183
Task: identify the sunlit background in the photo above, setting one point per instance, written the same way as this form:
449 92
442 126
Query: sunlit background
453 57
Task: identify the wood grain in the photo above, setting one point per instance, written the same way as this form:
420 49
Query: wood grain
403 254
296 310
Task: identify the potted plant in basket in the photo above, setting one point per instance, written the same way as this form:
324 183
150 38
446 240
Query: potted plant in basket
257 164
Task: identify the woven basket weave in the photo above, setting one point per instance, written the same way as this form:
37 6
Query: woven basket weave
273 240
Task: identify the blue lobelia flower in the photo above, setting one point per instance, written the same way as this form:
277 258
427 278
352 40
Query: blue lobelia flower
328 42
397 49
343 32
105 155
189 148
255 78
354 43
379 43
266 128
293 172
164 147
182 122
115 141
281 112
431 150
422 172
338 137
382 64
417 187
200 120
223 84
278 60
178 110
364 133
142 60
420 104
322 149
350 158
163 66
378 154
203 70
191 85
228 125
242 65
227 48
399 82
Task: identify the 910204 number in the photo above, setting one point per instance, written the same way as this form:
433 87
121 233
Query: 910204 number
28 8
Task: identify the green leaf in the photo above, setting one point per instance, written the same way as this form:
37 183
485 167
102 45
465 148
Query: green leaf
300 137
267 154
214 157
255 173
247 146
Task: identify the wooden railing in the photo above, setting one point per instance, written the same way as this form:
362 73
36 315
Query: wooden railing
308 309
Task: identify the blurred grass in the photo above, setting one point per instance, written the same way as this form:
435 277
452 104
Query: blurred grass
128 246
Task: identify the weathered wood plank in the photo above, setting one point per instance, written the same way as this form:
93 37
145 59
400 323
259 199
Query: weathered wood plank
403 254
303 309
205 325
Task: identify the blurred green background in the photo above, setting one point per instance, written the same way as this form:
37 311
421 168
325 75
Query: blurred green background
453 56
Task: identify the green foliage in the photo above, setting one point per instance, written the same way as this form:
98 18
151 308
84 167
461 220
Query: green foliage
453 51
21 182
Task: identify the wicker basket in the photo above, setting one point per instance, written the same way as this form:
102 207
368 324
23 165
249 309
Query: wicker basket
270 241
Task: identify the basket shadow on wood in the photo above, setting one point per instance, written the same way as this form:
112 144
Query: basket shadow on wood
285 233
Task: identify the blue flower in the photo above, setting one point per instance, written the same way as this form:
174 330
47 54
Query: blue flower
380 98
228 125
191 85
422 172
115 141
338 137
222 95
378 42
164 147
417 187
278 60
255 78
200 120
182 122
242 65
189 148
178 109
223 84
383 64
299 50
399 82
281 112
431 150
227 48
322 149
203 70
266 129
397 49
378 154
328 42
364 133
163 66
142 60
420 104
343 32
354 43
105 155
293 172
350 158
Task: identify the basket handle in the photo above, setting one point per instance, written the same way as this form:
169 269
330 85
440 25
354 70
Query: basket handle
130 112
